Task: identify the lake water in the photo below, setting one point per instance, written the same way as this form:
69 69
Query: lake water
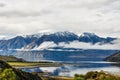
78 68
65 56
79 62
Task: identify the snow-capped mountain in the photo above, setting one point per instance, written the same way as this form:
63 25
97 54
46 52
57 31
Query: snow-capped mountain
51 40
92 38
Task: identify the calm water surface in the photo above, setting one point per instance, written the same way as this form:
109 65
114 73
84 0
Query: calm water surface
77 61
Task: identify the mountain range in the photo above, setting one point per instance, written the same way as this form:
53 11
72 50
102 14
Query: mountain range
63 39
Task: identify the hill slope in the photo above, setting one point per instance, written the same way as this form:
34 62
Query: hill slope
10 58
9 73
114 58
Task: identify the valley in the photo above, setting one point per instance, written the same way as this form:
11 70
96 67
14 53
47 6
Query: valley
60 54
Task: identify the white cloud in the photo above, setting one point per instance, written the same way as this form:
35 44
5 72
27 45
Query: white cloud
83 45
2 36
31 16
79 45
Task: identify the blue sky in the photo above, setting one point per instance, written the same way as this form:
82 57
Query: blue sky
33 16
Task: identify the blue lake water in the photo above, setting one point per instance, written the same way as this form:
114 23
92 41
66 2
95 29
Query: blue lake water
79 62
65 56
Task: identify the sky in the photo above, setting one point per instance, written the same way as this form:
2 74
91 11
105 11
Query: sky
34 16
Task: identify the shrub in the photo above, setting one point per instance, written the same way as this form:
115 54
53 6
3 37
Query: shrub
7 74
79 77
94 75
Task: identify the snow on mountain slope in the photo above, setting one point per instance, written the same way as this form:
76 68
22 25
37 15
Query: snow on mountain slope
58 34
93 38
63 39
37 35
87 34
45 45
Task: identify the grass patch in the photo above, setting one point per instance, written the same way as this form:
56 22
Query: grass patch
56 78
34 64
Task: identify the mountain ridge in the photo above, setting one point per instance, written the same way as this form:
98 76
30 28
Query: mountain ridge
66 37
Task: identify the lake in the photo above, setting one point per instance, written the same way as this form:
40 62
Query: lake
80 61
79 68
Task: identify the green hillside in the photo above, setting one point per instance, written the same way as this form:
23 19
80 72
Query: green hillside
114 58
9 73
10 58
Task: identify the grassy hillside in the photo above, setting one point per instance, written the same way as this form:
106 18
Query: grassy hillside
10 58
9 73
113 58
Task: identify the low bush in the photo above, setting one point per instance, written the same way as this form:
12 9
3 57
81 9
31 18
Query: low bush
95 75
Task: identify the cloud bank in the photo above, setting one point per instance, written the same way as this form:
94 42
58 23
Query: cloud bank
33 16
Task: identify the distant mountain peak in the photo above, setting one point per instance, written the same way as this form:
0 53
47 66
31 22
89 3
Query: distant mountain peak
37 35
88 34
64 33
66 37
61 33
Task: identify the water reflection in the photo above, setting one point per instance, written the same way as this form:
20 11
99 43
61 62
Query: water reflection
75 62
79 68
